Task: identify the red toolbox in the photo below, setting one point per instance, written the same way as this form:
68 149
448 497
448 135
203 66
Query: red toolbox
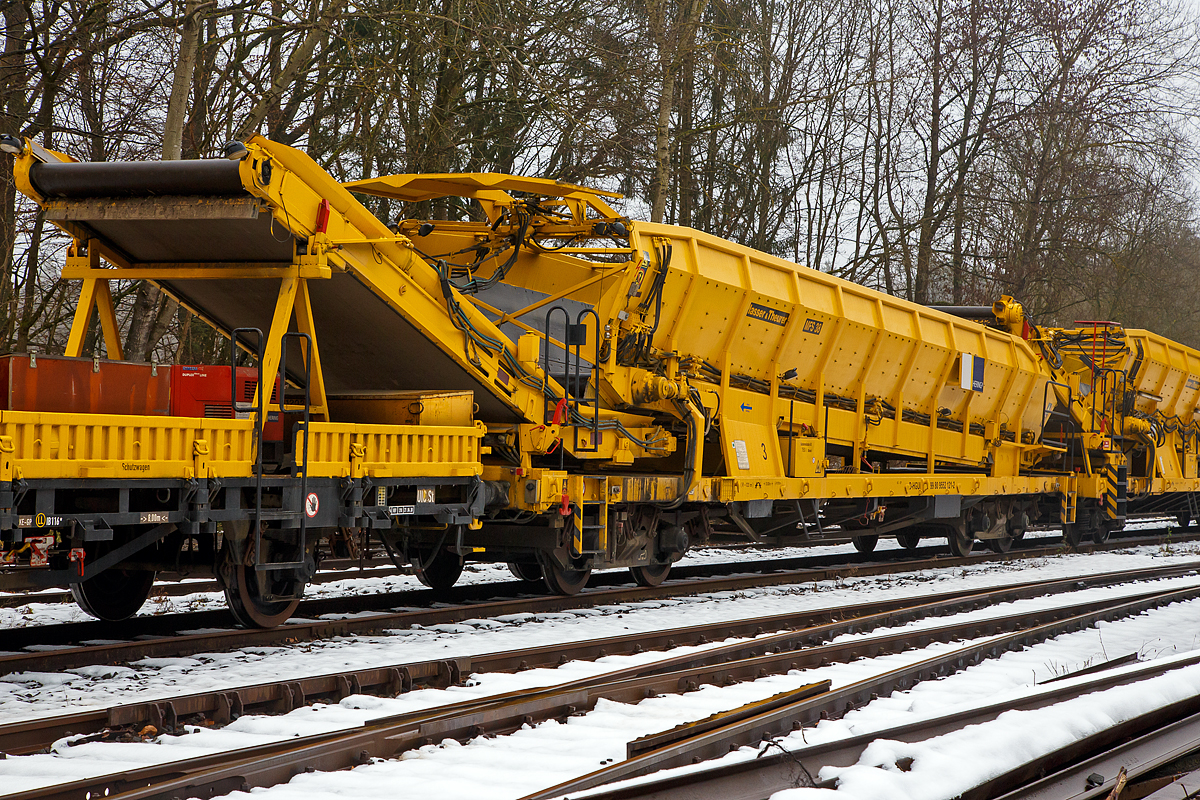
35 382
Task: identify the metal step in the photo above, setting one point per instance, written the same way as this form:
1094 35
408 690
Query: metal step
268 514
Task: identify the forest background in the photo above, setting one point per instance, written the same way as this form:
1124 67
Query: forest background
946 151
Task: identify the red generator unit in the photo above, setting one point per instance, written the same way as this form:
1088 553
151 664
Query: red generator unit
203 391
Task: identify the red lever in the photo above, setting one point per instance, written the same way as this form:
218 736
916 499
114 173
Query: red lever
560 412
76 558
566 506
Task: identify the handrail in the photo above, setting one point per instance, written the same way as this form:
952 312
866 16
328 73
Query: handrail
257 410
1047 415
303 467
578 374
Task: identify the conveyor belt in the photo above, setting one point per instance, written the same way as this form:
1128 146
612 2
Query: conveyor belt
181 213
208 177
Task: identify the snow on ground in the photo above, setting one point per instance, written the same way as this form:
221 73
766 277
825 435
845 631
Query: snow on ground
948 765
35 694
51 613
539 757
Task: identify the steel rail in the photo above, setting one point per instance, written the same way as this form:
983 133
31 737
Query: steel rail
777 769
175 585
385 738
172 585
1162 736
65 633
819 625
169 645
808 567
712 744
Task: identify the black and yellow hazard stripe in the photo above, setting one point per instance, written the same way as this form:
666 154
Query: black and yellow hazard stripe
1067 509
1116 479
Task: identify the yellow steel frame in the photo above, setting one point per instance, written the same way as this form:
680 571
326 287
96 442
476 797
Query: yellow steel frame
94 295
866 362
45 445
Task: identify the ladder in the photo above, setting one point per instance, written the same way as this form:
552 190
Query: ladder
591 537
258 411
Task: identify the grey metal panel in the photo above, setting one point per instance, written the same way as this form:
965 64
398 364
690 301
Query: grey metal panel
946 506
509 298
192 240
365 345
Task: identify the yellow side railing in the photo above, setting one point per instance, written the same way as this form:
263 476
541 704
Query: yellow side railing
79 446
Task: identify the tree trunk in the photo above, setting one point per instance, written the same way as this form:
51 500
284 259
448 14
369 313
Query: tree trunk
299 61
662 140
14 104
150 306
30 286
675 42
189 41
922 279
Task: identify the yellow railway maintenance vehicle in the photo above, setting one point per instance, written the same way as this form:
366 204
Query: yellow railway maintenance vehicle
548 385
1125 415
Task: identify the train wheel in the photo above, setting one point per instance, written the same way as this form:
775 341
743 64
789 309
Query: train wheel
1102 533
909 541
529 573
114 594
1001 545
865 544
563 581
961 542
1184 519
441 572
652 575
246 601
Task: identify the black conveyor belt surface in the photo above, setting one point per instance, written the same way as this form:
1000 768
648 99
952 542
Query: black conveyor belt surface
207 177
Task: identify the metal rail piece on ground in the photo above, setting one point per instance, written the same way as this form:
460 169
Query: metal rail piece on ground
775 769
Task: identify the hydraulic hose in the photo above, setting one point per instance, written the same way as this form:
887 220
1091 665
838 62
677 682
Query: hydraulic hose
693 470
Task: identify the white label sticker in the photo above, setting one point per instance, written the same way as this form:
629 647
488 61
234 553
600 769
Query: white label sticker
743 457
970 372
401 511
425 494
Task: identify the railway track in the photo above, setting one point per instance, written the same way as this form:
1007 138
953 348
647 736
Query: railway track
804 642
1149 739
782 633
167 585
332 570
180 585
157 637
